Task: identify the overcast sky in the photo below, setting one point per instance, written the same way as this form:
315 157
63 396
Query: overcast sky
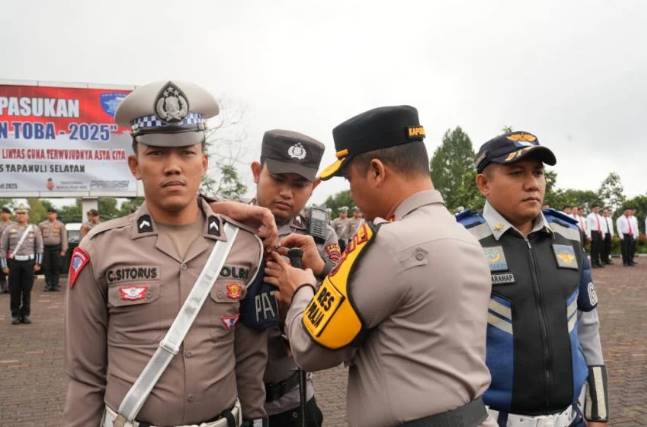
572 72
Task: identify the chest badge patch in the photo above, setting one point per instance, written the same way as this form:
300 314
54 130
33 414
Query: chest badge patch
234 291
132 293
333 251
565 256
503 279
496 258
229 321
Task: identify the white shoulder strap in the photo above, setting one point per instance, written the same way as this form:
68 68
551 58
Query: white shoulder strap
170 344
21 241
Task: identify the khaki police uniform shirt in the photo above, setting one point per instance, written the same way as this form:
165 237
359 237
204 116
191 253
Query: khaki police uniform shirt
423 289
54 233
32 245
280 364
4 225
353 226
341 228
123 303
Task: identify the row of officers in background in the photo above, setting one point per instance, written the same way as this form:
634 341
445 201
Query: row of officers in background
27 249
598 228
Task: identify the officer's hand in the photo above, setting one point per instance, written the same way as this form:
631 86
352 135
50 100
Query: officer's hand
253 216
311 258
280 273
62 253
596 424
5 270
36 267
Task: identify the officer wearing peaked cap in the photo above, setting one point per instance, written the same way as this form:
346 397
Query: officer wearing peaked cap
21 254
340 224
151 338
543 342
285 178
406 306
55 241
5 221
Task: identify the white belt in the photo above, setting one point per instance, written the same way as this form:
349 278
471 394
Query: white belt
563 419
23 257
109 417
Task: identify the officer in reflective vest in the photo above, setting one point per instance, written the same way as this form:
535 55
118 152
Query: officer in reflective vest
543 342
285 178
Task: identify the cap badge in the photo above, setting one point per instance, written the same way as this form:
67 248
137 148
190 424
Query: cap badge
416 133
522 137
297 151
171 104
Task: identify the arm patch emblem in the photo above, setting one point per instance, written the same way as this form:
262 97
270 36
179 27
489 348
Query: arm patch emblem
333 251
80 258
330 318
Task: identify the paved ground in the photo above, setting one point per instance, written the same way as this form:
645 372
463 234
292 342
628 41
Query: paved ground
32 384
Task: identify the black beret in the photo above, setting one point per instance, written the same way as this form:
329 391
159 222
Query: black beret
512 147
375 129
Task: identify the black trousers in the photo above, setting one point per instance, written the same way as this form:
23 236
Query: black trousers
627 247
597 245
52 265
21 280
606 249
292 418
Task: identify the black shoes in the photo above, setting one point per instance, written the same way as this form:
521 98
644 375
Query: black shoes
26 320
15 320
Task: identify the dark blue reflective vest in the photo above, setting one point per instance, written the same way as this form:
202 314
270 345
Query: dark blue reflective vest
538 285
259 309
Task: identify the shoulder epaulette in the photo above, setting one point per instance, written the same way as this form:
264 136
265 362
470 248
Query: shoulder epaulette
238 224
553 215
102 227
469 218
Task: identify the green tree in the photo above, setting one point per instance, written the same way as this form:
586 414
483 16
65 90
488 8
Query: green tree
611 192
108 208
37 210
129 206
452 171
338 200
71 213
225 145
229 186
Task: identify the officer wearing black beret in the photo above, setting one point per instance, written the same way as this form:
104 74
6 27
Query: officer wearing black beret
406 306
285 178
543 342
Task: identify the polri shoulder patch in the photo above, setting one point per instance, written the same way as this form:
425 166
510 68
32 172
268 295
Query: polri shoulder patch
80 258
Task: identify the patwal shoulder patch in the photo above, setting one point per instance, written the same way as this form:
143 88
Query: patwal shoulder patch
330 319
